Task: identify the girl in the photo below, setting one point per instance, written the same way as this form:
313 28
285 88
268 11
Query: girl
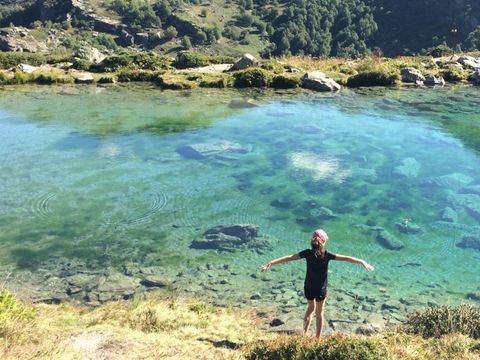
316 278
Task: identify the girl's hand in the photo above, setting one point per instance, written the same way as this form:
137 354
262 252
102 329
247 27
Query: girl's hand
367 266
266 267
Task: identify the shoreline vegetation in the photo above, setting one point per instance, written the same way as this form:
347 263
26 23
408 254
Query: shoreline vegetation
191 70
167 326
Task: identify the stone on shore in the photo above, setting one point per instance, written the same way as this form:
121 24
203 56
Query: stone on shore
431 80
27 69
318 81
412 75
475 77
410 168
220 149
246 61
84 79
469 61
388 240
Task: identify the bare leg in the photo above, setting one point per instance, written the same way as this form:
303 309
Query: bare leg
308 316
319 315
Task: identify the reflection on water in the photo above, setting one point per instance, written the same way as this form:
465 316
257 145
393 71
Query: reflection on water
96 176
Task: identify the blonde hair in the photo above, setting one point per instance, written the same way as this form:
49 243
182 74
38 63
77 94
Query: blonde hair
317 246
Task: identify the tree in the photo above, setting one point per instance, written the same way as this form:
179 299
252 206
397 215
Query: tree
473 40
186 43
170 33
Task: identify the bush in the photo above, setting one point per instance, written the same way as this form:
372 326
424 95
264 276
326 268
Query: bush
12 311
335 347
252 77
440 50
444 320
454 74
82 64
188 59
11 59
140 60
115 62
286 81
373 78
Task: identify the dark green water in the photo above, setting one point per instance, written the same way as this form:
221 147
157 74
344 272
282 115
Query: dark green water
94 174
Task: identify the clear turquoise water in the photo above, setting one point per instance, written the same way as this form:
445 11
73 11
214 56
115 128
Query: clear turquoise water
93 174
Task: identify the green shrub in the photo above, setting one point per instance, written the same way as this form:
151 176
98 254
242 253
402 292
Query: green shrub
12 311
127 75
11 59
334 347
454 74
133 60
285 81
189 59
115 62
273 65
252 77
82 64
440 50
373 78
174 82
444 320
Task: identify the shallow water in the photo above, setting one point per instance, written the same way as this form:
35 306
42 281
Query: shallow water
96 174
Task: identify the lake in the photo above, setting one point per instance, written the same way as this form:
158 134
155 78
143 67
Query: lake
104 189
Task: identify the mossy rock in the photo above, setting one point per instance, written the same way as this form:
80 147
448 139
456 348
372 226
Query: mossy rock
174 82
373 78
127 75
286 81
252 77
216 81
454 74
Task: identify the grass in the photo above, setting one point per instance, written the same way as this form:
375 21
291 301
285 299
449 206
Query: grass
170 327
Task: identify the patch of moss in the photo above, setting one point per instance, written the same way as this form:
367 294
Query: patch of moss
373 78
273 66
286 81
216 81
252 77
174 81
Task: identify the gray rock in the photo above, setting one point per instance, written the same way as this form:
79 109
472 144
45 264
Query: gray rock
215 149
454 181
450 215
470 241
388 240
431 80
153 281
84 79
469 61
127 38
255 296
472 189
117 286
408 227
247 60
323 213
366 330
475 77
27 69
89 53
318 81
227 237
473 296
470 202
412 75
410 168
276 322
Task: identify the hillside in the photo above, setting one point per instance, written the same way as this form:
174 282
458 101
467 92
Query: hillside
350 28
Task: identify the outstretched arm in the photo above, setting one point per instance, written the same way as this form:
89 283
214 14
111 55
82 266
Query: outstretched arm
354 260
279 261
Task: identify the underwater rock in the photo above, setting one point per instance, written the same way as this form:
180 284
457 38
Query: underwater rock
473 189
410 168
449 215
454 181
473 296
117 286
408 227
82 281
220 149
388 240
230 237
241 104
320 167
323 213
470 202
309 129
470 241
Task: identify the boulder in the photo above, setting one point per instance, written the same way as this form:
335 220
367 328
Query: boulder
84 79
431 80
318 81
450 215
408 227
412 75
388 240
475 77
126 38
227 237
473 295
246 61
469 61
470 242
28 69
142 38
90 53
454 181
219 149
410 168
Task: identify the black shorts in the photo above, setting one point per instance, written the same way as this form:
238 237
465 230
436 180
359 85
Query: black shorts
318 295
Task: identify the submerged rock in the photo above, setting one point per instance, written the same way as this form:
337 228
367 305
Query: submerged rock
454 181
241 104
470 202
388 240
231 237
408 227
318 81
410 168
450 215
470 242
323 213
220 149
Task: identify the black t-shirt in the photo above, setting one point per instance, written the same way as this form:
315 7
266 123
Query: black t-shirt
317 269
